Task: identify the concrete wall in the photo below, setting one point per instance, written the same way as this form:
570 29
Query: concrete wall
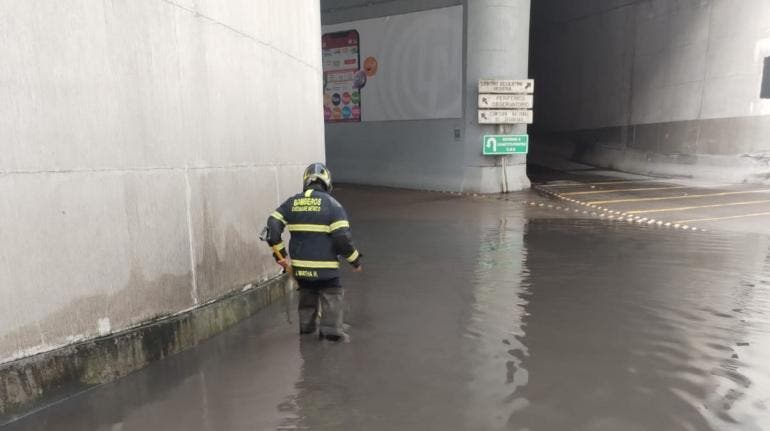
654 85
143 143
443 154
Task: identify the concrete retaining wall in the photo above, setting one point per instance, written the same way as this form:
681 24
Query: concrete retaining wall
144 142
677 82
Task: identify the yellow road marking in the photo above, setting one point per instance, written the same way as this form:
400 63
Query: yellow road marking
620 201
697 207
722 218
596 183
644 189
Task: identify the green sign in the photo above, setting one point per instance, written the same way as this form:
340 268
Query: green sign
500 145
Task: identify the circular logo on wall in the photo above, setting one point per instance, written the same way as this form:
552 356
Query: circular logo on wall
370 66
336 99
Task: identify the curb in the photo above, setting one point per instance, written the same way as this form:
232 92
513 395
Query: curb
32 383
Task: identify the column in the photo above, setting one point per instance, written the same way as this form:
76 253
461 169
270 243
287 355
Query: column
497 48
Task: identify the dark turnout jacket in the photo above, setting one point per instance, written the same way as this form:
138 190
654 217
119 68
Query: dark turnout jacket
320 232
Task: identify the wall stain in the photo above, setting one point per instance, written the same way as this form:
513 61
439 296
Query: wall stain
146 336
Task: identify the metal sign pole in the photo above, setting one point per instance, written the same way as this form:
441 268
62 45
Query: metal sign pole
504 182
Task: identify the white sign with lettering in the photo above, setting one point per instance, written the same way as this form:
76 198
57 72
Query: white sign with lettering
506 101
512 116
507 86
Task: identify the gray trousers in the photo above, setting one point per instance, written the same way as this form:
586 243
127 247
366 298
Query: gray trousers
324 300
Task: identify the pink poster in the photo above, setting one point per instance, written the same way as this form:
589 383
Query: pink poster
343 77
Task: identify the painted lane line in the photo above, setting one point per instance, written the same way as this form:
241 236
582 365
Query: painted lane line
596 183
699 207
708 195
630 216
724 218
644 189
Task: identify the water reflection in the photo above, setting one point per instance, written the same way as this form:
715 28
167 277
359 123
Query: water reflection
496 335
404 368
622 329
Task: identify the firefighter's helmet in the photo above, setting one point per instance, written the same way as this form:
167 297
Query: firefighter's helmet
317 172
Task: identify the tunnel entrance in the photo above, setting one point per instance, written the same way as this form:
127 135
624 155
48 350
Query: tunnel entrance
671 89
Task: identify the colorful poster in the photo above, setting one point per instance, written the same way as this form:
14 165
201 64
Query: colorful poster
343 77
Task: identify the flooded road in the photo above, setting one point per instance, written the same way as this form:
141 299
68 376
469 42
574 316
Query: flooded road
480 314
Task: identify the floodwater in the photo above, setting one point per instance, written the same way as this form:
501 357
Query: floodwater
479 314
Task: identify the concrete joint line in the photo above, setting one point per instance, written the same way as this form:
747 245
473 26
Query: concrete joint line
149 169
240 33
368 4
191 239
601 12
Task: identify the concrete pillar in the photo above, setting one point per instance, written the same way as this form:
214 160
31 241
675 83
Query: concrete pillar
497 48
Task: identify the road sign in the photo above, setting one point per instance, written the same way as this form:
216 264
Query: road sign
506 101
513 116
507 86
499 145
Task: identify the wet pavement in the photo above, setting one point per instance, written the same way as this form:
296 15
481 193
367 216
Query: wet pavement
483 314
667 202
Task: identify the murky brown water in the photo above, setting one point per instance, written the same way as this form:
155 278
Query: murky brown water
484 315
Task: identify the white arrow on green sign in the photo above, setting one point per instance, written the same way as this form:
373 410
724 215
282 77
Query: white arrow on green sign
499 145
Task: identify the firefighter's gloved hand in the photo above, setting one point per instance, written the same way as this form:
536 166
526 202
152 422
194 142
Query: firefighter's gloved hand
359 268
285 264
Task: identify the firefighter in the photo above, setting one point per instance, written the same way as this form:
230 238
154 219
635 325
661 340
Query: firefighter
320 233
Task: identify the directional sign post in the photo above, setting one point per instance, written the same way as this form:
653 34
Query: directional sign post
503 102
500 145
